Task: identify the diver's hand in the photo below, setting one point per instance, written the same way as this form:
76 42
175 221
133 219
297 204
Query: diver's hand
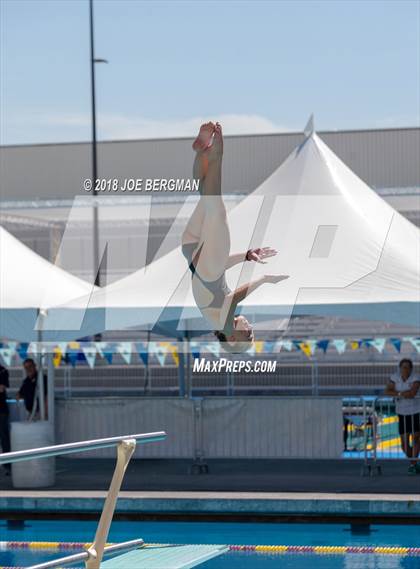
275 278
259 254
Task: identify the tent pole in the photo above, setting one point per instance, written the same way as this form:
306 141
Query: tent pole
147 370
51 387
40 378
188 362
181 367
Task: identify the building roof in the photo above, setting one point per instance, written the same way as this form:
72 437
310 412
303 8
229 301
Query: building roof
383 158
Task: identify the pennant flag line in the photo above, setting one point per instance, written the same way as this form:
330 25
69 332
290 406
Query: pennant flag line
73 352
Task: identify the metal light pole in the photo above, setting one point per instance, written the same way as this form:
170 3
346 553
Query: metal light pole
94 149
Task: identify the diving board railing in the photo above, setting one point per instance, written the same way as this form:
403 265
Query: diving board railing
84 555
126 445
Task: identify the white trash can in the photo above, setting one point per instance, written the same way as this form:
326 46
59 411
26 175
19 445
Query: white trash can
39 472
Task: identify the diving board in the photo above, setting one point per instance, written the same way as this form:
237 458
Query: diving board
165 557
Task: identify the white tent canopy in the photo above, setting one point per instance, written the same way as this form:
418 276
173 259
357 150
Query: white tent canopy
29 283
348 253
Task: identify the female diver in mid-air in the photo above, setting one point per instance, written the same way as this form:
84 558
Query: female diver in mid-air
206 246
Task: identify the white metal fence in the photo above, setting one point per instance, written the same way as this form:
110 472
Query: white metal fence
200 428
251 427
304 378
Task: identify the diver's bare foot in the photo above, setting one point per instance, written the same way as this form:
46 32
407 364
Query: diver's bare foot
215 151
204 138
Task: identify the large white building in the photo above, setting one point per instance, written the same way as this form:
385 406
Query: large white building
40 184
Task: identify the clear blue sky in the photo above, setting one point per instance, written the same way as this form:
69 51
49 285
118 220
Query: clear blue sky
256 66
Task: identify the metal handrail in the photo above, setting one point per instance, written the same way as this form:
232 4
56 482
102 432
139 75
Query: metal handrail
81 446
84 555
126 445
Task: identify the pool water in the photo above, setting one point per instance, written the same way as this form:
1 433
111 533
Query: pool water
230 533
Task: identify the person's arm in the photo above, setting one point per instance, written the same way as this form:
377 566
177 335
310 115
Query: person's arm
245 290
4 379
19 394
410 393
258 255
390 389
235 260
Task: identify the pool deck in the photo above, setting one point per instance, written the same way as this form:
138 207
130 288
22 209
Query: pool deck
241 487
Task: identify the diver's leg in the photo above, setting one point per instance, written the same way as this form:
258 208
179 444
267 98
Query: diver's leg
215 235
192 231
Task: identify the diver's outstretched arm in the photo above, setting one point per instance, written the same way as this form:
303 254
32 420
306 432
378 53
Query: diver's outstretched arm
245 290
236 259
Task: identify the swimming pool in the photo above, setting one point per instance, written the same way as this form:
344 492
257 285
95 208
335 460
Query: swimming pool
297 534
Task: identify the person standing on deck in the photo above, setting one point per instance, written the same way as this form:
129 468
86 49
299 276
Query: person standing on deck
28 388
404 387
4 415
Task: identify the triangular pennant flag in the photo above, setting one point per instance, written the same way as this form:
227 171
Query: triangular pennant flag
195 349
22 350
7 355
378 344
308 347
63 347
396 342
33 349
269 347
90 352
354 344
259 346
312 346
297 344
278 345
159 351
72 356
101 347
57 356
125 350
340 345
105 350
366 342
286 344
144 356
251 351
108 355
142 351
323 345
415 342
175 355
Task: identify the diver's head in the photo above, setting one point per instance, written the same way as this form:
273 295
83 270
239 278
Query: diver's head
241 338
